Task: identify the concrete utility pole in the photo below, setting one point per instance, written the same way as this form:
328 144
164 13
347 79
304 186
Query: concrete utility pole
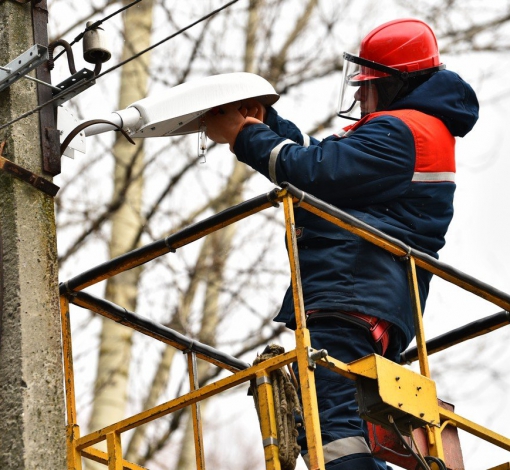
32 419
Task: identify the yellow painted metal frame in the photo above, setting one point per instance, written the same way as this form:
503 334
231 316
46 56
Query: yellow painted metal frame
400 387
373 367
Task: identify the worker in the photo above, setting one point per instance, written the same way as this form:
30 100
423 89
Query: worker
393 168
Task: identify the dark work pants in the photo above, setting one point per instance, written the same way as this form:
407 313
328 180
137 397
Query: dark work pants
338 409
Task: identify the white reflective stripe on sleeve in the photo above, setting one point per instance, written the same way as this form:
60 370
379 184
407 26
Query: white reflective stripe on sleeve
341 448
439 176
306 140
273 156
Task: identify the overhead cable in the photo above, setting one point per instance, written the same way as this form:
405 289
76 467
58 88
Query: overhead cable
97 23
120 64
177 33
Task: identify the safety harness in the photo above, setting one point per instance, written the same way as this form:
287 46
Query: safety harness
377 328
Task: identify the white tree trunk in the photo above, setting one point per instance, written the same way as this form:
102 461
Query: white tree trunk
115 347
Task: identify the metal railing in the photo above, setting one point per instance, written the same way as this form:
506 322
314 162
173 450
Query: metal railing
370 367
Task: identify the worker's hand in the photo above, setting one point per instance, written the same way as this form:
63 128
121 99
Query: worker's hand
254 109
224 123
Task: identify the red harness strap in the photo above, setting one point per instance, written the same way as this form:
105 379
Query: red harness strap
378 328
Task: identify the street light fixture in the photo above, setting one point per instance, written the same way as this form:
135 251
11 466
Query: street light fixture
178 111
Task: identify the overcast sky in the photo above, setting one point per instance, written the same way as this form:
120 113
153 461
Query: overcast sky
476 242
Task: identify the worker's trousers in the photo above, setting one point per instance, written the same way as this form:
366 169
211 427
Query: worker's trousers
344 433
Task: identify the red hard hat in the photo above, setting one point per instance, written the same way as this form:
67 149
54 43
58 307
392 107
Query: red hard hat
407 45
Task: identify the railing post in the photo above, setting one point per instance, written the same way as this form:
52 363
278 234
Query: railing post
267 416
435 441
418 317
72 428
115 461
303 346
195 412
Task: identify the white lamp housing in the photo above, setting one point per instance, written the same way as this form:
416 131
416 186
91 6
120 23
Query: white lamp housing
178 110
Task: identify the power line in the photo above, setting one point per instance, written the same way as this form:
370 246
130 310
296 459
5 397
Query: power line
98 23
120 64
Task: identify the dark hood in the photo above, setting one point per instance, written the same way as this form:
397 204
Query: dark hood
446 96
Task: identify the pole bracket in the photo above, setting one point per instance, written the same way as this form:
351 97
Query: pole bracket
79 82
22 65
38 182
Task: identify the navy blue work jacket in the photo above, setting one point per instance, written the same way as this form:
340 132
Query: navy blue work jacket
394 170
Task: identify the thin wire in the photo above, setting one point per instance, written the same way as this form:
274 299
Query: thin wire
111 69
120 64
437 461
382 446
423 464
418 451
96 24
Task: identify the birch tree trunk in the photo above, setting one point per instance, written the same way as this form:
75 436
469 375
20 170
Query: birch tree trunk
110 393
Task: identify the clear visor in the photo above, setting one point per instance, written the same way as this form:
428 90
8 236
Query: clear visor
358 93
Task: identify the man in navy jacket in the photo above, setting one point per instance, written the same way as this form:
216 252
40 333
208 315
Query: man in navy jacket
393 169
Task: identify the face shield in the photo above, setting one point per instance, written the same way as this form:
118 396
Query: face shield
366 87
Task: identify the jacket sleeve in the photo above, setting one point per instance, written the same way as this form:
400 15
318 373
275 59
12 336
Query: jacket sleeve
287 129
372 165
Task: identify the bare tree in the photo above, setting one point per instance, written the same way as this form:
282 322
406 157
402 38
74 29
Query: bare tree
203 291
110 394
